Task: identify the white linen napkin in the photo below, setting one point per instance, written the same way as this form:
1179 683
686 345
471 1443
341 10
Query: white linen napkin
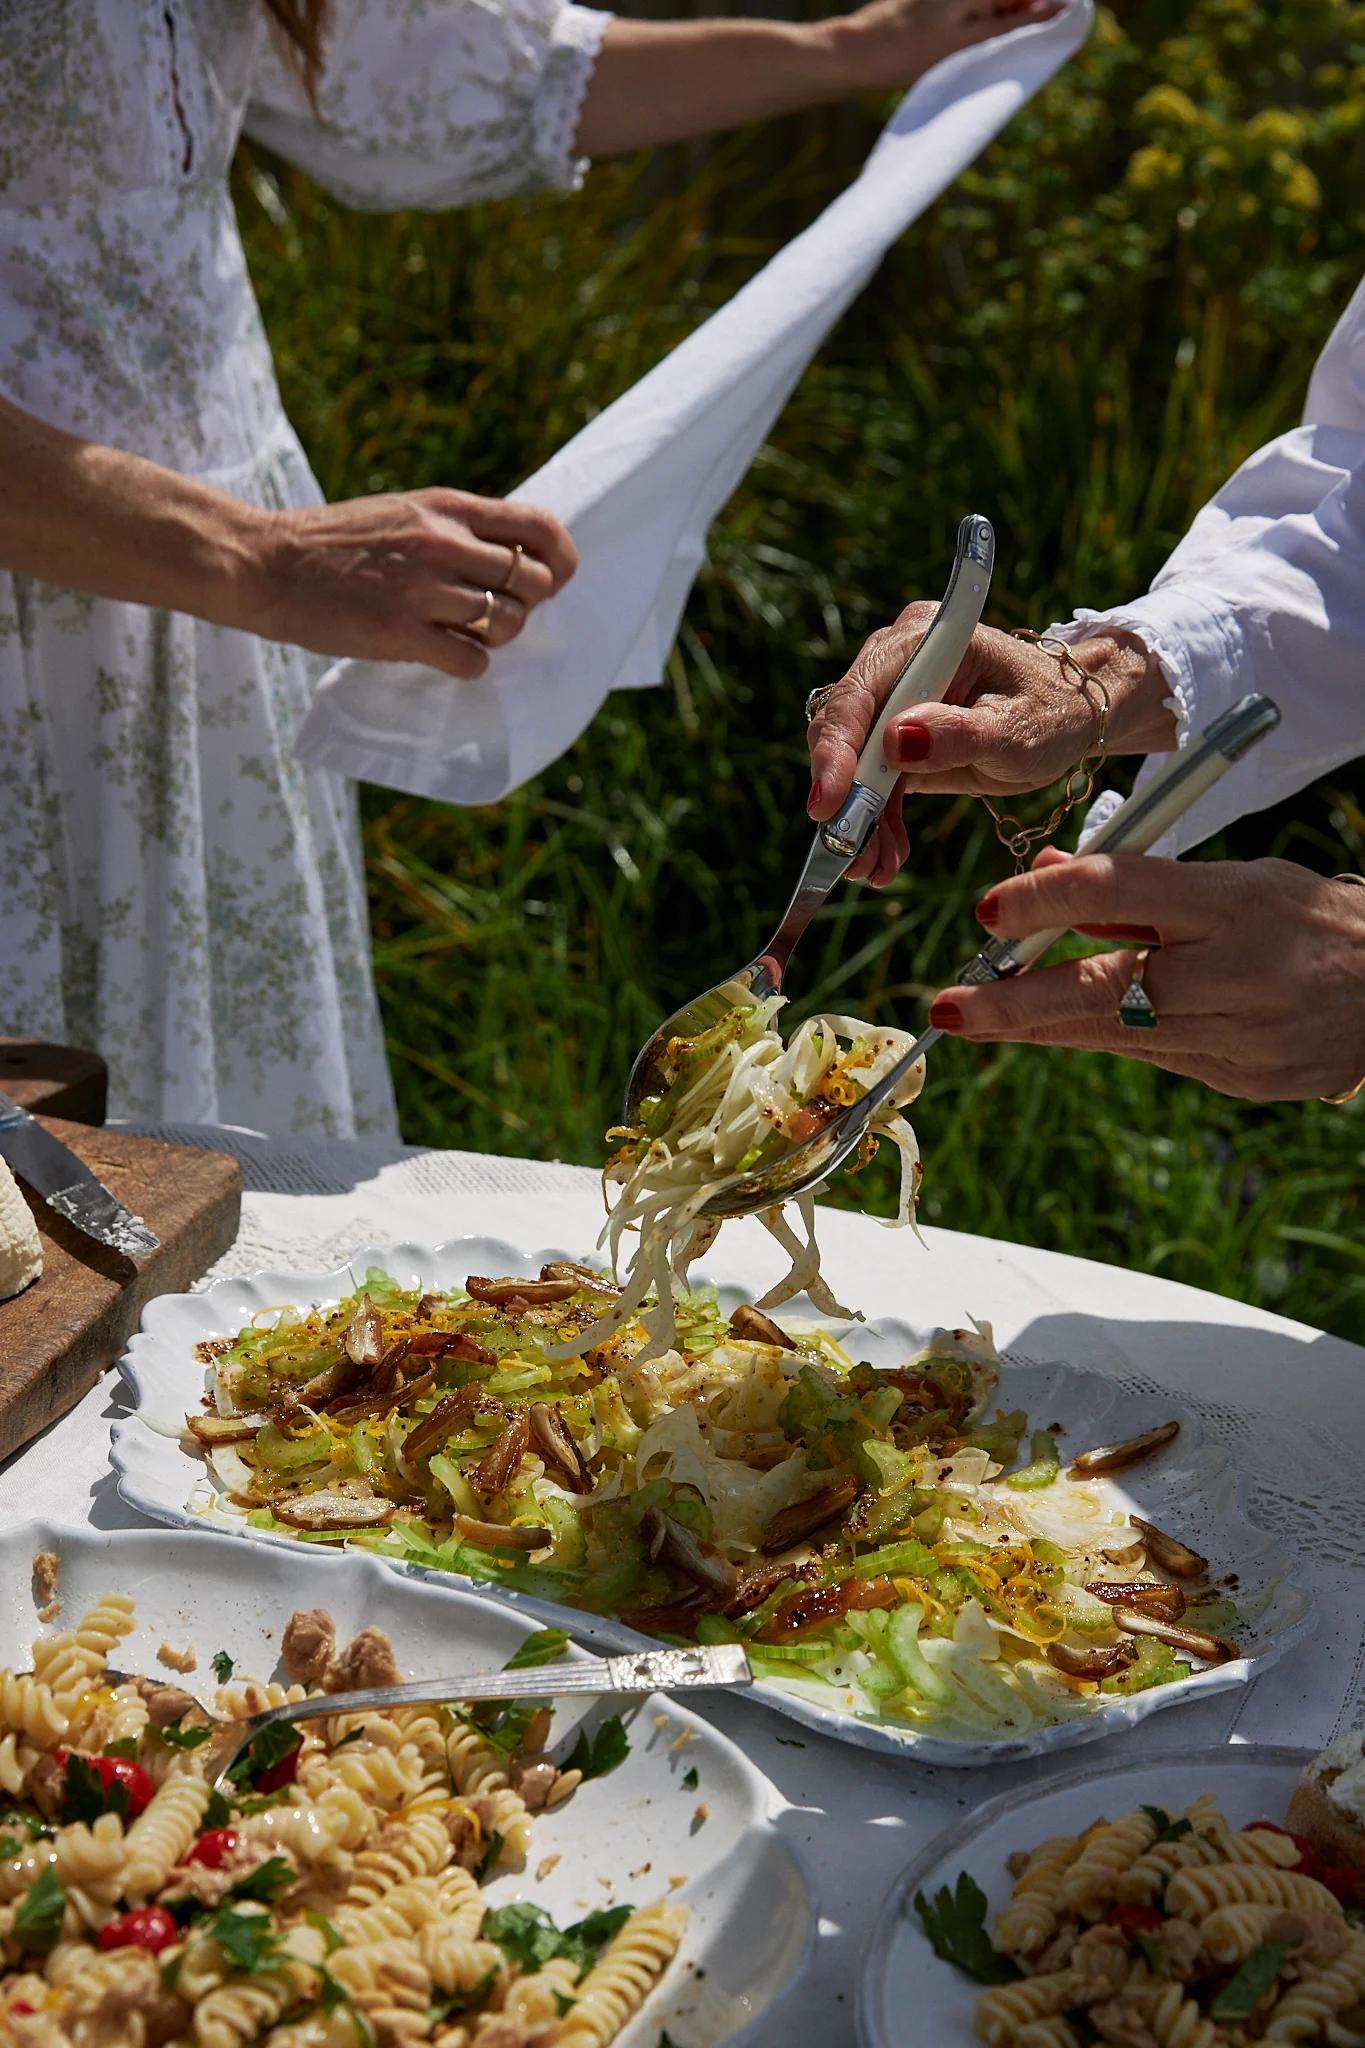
639 486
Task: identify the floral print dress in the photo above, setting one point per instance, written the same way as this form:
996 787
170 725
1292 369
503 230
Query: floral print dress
176 890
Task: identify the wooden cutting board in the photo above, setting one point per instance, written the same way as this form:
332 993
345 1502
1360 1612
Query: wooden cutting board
60 1334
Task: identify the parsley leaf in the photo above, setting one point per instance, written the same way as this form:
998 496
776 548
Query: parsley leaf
1240 1996
331 1939
126 1749
177 1737
274 1743
1167 1830
265 1881
1155 1954
39 1914
353 1736
331 1995
541 1648
956 1926
10 1846
608 1747
223 1666
691 1780
248 1940
33 1828
217 1813
496 1845
85 1796
528 1936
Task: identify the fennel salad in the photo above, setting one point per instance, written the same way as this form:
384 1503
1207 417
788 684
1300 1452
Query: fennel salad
890 1543
733 1099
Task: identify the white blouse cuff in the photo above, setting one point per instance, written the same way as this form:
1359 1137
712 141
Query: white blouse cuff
575 42
1202 653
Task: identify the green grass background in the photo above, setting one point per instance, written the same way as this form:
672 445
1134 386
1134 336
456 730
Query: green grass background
1118 303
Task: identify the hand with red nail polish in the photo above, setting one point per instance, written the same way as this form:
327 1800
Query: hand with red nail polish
1257 974
1008 723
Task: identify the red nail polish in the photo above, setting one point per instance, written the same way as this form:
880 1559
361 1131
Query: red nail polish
988 909
813 799
945 1016
911 742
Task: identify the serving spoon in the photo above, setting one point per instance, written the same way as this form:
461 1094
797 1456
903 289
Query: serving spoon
1133 828
923 679
645 1671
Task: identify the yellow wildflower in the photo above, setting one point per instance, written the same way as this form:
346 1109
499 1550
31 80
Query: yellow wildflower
1300 188
1169 103
1277 126
1150 167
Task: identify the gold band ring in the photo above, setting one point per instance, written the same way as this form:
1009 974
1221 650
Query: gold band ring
818 699
1348 1094
485 617
1137 1011
517 552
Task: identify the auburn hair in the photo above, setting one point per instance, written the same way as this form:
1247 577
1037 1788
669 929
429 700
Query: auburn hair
301 26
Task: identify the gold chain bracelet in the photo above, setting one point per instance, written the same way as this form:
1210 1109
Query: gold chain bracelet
1017 838
1350 1094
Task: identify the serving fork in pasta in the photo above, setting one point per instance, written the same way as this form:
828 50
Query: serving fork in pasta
721 1665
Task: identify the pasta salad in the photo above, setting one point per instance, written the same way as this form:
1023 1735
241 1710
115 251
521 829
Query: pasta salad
330 1897
890 1543
1162 1931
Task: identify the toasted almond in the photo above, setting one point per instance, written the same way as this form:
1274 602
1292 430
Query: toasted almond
1169 1552
1212 1649
1117 1457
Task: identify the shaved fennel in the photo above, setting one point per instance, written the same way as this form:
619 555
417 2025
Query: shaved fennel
737 1097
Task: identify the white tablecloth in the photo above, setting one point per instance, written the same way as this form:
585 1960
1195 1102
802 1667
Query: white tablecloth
1288 1401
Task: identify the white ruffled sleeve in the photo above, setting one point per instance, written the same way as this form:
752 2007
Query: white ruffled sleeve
1267 592
435 103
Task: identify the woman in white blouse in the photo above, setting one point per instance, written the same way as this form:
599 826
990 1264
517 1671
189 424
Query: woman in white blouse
1259 986
174 887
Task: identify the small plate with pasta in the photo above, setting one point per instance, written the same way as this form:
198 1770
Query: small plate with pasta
500 1878
1155 1903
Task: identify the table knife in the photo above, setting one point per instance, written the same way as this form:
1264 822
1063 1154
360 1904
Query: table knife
67 1185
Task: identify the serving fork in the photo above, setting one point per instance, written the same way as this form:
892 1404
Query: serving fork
720 1665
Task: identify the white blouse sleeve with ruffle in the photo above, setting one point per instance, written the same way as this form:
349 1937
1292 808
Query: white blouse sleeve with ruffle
1267 592
435 103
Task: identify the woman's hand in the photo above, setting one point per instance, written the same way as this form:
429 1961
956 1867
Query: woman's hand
400 577
1011 721
891 43
1259 986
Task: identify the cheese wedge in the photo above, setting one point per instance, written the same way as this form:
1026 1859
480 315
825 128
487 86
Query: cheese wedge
21 1250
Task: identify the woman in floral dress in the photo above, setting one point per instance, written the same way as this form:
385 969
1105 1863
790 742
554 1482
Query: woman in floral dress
175 888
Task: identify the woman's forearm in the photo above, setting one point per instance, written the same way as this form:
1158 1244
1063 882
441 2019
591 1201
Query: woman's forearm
98 520
660 82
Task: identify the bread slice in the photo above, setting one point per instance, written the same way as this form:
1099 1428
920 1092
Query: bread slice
1334 1834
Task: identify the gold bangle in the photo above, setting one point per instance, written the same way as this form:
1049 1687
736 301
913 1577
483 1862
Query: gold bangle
1017 838
1351 1093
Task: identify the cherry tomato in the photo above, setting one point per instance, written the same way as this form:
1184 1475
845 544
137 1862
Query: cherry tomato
117 1770
281 1774
1134 1919
214 1848
22 2005
149 1927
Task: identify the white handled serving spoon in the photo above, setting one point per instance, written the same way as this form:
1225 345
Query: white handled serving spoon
924 679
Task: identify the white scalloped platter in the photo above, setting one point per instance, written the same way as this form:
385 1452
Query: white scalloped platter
1188 1487
619 1840
901 1973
